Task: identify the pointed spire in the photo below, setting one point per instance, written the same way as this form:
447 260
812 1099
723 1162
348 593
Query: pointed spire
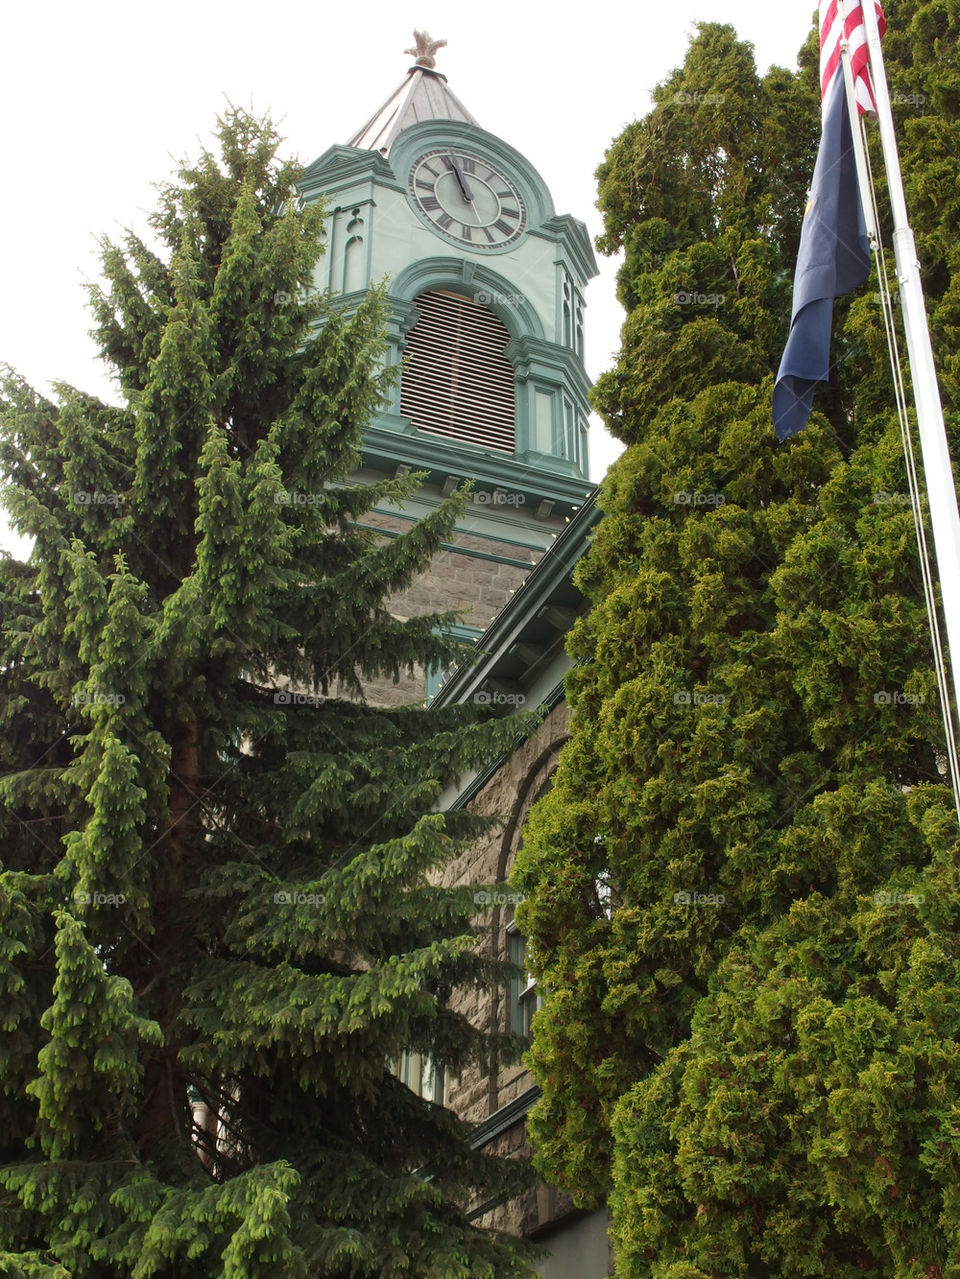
422 96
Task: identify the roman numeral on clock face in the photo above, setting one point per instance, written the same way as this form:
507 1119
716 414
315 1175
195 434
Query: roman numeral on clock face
503 227
468 164
507 212
466 232
424 186
430 202
444 221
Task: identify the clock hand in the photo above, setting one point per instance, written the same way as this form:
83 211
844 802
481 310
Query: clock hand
464 185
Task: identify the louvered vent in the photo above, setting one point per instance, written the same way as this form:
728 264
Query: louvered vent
457 381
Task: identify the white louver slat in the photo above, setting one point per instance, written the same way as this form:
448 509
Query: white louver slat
457 382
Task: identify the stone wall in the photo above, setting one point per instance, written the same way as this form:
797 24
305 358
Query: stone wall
535 1209
474 1095
465 580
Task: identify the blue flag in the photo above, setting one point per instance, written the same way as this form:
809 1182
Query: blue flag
834 258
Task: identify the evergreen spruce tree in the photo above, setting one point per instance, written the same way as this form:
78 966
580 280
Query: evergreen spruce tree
742 892
218 921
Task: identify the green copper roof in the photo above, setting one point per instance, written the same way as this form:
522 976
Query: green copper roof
424 95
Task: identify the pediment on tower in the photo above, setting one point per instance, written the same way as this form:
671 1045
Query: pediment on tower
340 164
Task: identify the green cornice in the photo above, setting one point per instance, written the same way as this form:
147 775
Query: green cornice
339 166
573 234
385 447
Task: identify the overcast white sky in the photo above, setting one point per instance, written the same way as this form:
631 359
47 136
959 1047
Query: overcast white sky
99 100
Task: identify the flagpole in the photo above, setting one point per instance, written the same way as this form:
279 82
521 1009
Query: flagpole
938 471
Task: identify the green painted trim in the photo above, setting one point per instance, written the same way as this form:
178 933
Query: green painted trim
402 444
533 357
573 235
339 166
447 272
497 1123
474 787
450 546
467 635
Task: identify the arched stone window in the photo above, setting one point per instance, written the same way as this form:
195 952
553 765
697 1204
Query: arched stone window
457 381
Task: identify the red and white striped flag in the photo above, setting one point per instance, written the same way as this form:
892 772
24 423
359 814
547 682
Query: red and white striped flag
843 19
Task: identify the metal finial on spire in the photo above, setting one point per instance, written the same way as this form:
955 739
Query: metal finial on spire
425 49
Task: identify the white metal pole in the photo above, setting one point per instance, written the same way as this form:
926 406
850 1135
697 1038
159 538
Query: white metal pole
938 471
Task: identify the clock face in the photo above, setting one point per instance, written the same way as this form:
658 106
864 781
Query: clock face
467 199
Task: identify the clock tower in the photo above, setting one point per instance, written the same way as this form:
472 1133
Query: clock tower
485 283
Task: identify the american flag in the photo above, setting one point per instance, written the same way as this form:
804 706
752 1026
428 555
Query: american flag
841 19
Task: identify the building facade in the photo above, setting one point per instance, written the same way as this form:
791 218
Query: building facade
485 287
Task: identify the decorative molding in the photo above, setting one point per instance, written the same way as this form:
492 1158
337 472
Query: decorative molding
573 234
391 439
549 362
340 165
451 272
